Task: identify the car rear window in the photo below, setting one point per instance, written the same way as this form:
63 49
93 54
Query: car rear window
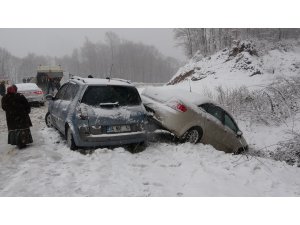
97 95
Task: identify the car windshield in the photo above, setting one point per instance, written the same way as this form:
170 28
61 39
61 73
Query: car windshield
101 96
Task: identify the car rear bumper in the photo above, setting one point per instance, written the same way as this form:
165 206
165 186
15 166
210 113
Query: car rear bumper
111 139
35 99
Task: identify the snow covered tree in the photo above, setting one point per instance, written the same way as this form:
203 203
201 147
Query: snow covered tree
210 40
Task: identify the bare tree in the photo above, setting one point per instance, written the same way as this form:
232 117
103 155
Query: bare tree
210 40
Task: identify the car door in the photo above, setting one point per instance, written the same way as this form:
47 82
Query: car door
214 132
56 106
65 104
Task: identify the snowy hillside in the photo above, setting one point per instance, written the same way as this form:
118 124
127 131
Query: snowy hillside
246 64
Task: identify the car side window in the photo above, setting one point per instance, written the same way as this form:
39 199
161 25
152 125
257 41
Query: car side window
75 90
213 110
61 91
230 123
70 92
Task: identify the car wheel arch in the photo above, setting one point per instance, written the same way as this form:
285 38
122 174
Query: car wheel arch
68 126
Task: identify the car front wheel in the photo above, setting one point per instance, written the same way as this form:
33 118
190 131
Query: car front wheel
193 135
48 120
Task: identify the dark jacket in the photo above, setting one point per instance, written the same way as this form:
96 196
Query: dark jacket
17 109
2 89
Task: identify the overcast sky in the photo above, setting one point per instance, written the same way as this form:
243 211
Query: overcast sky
59 42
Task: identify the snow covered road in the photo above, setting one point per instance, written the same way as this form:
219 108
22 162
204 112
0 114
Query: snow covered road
49 168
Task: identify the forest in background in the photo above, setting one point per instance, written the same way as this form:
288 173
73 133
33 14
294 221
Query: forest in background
138 62
114 57
210 40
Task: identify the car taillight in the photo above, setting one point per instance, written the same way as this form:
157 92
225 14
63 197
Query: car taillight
181 107
38 92
177 105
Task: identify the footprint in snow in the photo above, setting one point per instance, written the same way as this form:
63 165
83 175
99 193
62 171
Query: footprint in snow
157 184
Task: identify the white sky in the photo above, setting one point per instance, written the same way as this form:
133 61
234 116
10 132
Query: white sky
61 41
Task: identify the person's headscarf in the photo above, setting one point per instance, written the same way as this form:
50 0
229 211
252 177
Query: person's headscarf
12 89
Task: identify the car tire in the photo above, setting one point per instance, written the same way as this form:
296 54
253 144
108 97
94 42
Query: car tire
193 135
70 140
48 120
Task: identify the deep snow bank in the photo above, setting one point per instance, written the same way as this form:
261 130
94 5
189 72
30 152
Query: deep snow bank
246 63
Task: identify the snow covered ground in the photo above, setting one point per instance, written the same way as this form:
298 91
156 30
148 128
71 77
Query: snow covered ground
49 168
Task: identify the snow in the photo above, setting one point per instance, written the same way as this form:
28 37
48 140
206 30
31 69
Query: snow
218 70
96 81
118 134
27 86
49 168
167 93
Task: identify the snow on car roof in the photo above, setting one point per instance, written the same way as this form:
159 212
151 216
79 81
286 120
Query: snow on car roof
27 86
95 81
166 93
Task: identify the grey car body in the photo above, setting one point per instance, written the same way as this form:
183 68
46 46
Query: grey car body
80 111
188 114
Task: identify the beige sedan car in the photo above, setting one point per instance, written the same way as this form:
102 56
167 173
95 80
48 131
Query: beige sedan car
193 118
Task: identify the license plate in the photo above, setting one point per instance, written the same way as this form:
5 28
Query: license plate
118 129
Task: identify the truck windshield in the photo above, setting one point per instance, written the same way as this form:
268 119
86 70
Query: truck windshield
100 96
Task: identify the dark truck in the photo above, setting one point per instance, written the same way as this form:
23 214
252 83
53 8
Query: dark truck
48 78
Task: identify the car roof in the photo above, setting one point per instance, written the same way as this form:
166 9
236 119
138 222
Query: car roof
27 86
166 93
100 81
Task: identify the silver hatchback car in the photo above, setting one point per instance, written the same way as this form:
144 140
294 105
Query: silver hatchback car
193 118
94 112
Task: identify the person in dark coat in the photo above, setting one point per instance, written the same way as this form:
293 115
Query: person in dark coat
2 88
17 111
57 83
50 85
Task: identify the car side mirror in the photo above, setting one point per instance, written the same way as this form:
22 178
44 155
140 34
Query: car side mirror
49 97
239 133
